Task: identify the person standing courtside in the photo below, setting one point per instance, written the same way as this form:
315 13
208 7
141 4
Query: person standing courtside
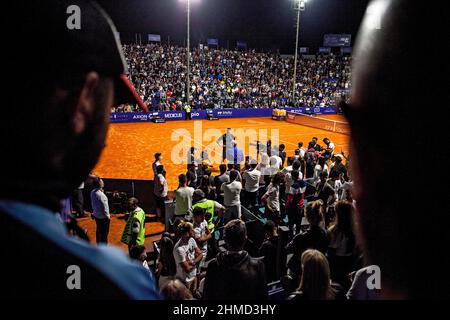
187 109
156 163
227 140
183 197
160 191
134 232
100 211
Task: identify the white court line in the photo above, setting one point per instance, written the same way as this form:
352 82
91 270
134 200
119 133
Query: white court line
255 122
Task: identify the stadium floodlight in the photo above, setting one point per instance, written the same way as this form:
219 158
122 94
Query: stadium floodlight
299 5
188 50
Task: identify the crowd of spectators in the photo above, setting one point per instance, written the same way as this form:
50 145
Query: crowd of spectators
56 142
234 79
309 192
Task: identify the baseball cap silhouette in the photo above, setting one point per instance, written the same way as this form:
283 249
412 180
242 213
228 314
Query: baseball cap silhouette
48 46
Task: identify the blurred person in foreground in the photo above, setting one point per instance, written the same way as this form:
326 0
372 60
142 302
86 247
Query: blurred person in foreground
387 69
176 290
75 74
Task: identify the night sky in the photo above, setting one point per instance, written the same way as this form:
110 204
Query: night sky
264 24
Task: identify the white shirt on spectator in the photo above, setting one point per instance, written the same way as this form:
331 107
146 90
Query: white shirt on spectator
318 169
342 189
251 178
160 188
331 146
232 192
273 196
100 205
200 232
302 152
183 200
275 162
154 165
185 252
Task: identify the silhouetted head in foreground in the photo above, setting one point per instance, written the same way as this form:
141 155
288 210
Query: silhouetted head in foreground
60 90
395 112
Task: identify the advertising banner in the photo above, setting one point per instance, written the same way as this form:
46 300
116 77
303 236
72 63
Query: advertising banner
121 117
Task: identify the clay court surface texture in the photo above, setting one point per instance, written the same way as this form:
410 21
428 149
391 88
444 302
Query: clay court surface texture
130 147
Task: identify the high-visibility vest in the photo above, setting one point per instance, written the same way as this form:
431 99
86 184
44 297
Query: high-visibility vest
138 214
187 108
208 206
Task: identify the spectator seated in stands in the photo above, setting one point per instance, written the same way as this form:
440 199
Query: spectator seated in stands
268 251
315 283
165 267
226 78
341 250
139 253
315 237
233 274
202 234
187 256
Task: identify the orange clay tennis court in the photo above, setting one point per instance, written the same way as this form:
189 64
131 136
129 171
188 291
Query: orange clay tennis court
130 146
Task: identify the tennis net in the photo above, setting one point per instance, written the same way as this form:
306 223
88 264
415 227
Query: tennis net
318 122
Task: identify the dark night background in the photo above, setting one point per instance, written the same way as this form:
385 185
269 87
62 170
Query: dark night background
264 24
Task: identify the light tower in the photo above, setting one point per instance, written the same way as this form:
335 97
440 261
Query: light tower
188 52
299 5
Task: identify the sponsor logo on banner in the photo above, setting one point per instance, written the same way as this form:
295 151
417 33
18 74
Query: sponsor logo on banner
224 113
291 116
173 115
219 113
142 117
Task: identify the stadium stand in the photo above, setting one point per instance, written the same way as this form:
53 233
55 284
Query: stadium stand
235 79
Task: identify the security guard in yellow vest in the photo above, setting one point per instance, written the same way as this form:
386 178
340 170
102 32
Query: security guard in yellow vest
187 109
134 232
212 208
